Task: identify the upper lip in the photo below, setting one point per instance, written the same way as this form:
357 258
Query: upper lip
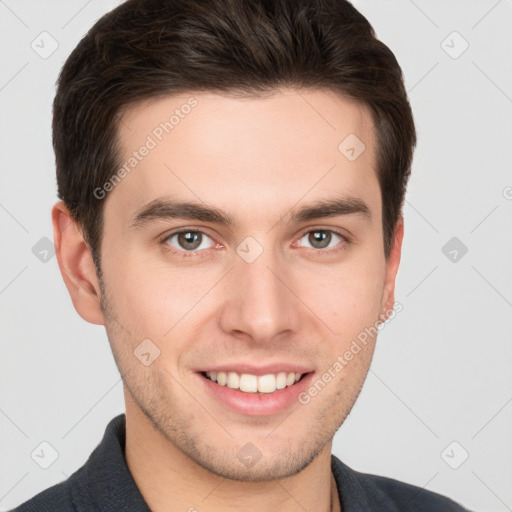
258 370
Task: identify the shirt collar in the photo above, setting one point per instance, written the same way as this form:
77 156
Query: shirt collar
105 482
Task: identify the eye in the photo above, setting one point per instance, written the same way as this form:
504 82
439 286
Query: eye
188 240
322 238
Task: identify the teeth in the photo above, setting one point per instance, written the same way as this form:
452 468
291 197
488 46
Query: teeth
233 380
252 383
281 380
248 383
266 384
222 378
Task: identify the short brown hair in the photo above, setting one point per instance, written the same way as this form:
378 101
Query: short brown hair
147 48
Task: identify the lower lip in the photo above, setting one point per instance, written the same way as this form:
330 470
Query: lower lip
255 404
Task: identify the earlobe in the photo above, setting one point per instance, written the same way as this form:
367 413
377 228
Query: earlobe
392 264
76 265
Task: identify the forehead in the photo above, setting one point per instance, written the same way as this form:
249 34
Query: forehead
258 154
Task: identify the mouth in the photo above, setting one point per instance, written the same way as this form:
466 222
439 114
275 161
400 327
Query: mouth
255 395
255 384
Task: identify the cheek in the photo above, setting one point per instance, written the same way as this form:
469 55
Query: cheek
347 298
152 298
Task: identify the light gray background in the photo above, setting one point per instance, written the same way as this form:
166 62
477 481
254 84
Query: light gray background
442 368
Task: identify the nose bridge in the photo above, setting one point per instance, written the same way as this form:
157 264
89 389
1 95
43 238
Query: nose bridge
257 300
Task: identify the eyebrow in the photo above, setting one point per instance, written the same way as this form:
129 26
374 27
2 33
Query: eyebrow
166 209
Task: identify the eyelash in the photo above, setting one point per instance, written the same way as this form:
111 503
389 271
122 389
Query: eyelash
191 254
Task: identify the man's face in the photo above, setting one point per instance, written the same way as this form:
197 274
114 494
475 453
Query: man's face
267 289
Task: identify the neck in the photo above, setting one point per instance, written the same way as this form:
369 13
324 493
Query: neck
171 481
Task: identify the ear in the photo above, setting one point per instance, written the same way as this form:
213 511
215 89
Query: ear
76 265
392 263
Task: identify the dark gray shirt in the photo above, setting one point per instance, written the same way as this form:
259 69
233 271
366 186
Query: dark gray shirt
105 484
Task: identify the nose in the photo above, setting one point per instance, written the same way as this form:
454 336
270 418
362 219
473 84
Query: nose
259 303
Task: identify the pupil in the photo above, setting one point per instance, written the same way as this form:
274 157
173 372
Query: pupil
320 236
188 240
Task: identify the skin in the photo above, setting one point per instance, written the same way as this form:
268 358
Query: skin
256 159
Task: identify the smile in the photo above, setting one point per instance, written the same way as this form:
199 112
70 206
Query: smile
249 383
255 395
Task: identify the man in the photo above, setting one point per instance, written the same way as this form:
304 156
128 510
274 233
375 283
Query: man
231 177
